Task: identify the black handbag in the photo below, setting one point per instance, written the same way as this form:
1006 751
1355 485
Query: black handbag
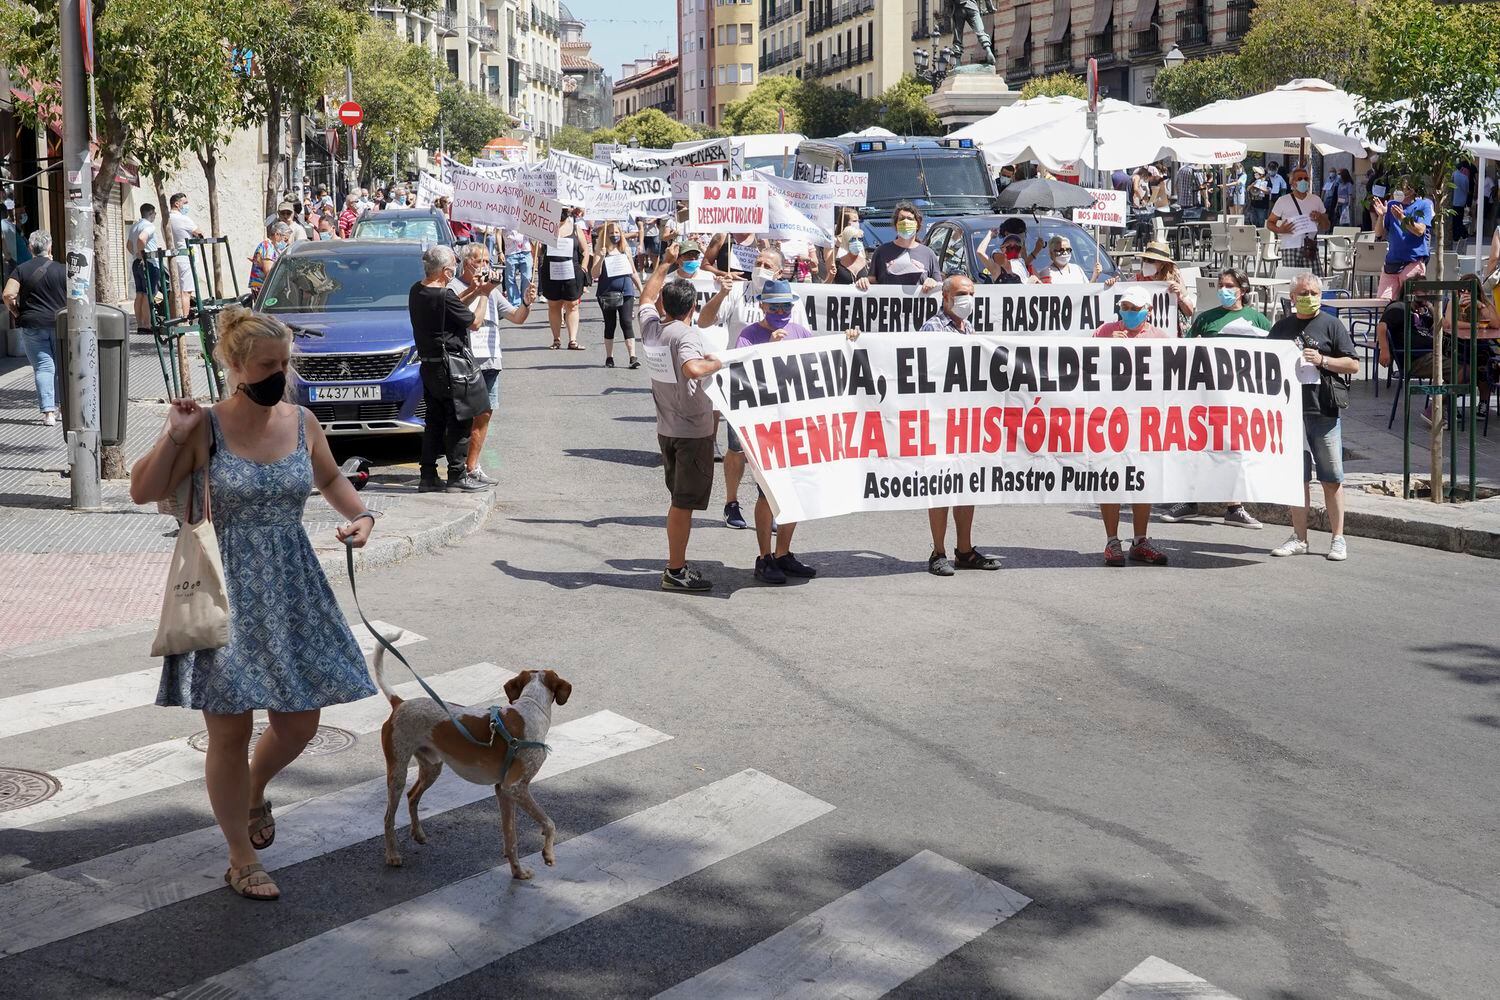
456 376
1333 393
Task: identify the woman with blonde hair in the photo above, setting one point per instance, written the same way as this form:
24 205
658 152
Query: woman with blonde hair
290 651
617 292
850 264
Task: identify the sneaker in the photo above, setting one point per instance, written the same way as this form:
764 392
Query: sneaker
609 362
687 580
1180 512
1293 546
974 559
49 419
634 363
1142 551
468 483
792 566
482 476
768 571
938 564
1114 554
1339 550
733 517
1241 517
432 484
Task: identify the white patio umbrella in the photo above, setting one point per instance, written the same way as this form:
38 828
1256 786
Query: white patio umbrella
1128 137
1272 122
873 132
1484 149
1017 117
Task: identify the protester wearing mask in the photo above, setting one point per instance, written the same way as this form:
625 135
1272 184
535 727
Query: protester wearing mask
1008 264
182 228
1299 215
1328 354
958 307
560 267
290 651
278 237
618 283
850 264
904 261
1156 264
1060 269
1134 307
1232 317
1403 223
736 305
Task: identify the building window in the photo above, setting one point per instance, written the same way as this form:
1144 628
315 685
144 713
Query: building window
746 34
747 73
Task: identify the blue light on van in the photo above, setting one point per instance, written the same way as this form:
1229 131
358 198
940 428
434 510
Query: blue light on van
956 143
868 146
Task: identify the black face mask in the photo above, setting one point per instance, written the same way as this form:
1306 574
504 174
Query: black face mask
268 391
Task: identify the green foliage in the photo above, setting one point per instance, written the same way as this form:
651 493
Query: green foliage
652 128
572 139
902 108
468 119
757 114
1291 39
1197 82
395 83
1055 85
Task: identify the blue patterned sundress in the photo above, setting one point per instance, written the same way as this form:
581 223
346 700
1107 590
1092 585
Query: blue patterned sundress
290 649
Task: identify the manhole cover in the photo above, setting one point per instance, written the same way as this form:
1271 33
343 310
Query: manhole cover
327 740
20 788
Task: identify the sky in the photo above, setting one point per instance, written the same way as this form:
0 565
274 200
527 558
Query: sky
621 31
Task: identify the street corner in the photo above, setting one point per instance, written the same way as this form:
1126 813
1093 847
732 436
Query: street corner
407 523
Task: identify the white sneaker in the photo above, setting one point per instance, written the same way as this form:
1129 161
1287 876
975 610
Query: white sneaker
1339 550
1293 546
49 419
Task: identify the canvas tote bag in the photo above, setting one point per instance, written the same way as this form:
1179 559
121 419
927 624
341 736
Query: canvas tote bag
195 607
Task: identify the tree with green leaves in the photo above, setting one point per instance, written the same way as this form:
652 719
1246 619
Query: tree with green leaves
902 108
1054 85
1423 99
829 110
651 128
1197 82
761 112
1295 39
572 139
396 85
468 121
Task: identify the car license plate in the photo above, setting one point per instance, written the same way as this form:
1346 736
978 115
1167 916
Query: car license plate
343 393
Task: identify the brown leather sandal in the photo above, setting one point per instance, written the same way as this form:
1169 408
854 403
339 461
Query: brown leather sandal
261 820
252 876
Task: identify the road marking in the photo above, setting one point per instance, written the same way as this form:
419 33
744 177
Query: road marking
26 713
93 783
1155 979
868 942
421 944
51 906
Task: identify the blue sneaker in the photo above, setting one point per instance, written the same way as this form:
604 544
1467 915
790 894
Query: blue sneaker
732 516
767 571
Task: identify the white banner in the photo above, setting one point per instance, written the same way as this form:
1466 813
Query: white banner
903 421
577 178
492 201
799 210
535 176
430 189
1108 211
651 197
727 207
712 153
603 151
851 189
609 205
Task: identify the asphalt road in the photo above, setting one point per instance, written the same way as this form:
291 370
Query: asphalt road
1277 775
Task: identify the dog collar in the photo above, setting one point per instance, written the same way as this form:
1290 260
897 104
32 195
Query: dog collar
512 744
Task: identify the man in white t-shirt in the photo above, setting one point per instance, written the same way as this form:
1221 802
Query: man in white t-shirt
1298 216
142 242
182 228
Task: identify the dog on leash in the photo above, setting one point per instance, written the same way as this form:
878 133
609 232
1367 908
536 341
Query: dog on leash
422 729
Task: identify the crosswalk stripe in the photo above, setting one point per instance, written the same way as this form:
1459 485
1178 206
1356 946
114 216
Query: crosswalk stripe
421 944
25 713
93 783
868 942
51 906
1155 979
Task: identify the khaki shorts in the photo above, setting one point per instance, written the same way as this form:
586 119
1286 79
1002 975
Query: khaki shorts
690 470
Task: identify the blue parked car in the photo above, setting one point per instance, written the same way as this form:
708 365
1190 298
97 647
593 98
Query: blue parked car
354 362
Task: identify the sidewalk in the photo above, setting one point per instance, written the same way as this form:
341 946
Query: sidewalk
68 577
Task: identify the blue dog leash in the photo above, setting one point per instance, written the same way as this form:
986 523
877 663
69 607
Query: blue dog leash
497 726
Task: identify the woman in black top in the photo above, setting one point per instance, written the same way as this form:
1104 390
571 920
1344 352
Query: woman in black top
452 389
35 292
560 268
851 263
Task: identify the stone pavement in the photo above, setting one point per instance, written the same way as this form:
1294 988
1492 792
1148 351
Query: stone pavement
68 577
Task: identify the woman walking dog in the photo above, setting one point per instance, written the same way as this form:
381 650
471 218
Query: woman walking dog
290 651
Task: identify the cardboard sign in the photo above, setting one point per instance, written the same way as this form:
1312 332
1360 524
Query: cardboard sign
491 201
800 210
1108 211
728 207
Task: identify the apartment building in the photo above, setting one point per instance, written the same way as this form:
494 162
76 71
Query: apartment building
863 46
587 97
1130 39
719 52
648 83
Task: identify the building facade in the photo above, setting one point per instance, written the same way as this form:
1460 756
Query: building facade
862 46
1130 39
587 98
718 44
648 83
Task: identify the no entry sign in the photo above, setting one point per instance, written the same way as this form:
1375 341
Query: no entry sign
351 114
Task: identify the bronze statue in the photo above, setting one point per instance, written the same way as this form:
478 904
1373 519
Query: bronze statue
964 14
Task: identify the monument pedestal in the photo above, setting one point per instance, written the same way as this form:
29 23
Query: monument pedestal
968 94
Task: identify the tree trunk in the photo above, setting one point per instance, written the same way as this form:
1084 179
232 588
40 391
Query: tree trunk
275 148
208 159
299 149
1440 408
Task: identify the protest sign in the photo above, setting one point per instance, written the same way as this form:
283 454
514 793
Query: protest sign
680 179
1108 211
727 207
609 205
430 189
577 178
849 188
603 151
651 197
902 421
799 210
711 153
493 201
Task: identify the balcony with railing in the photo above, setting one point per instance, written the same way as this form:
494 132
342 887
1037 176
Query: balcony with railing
445 19
545 23
486 36
1192 28
781 56
840 61
1239 18
776 11
1060 54
820 17
921 30
1102 46
1146 42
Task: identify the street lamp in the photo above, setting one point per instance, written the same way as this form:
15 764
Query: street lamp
1174 58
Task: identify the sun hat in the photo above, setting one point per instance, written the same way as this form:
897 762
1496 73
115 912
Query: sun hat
1158 251
777 292
689 244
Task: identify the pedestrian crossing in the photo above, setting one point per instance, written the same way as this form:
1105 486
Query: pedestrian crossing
861 944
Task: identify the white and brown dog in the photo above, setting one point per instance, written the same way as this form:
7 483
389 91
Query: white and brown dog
422 729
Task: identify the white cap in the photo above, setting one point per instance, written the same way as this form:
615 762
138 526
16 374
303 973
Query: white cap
1134 295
